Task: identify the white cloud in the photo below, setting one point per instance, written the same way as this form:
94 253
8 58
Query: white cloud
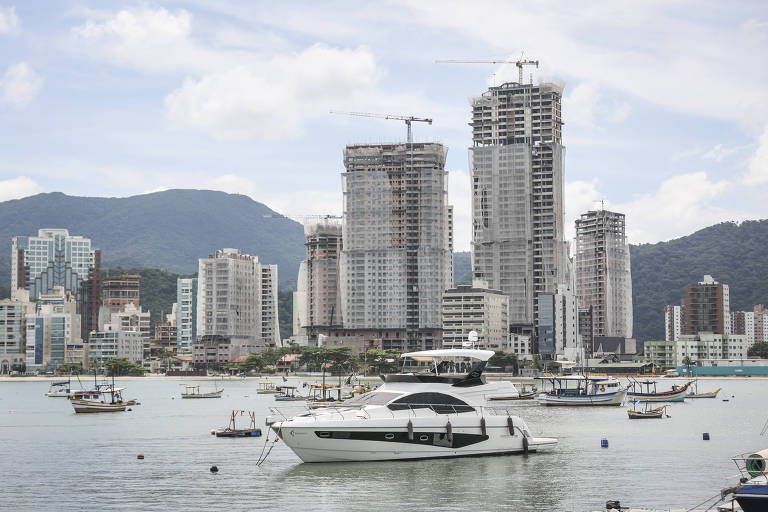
620 113
757 172
579 105
16 188
720 152
274 99
19 85
9 22
580 197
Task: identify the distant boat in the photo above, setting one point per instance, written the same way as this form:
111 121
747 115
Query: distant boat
267 388
110 399
583 391
61 389
657 412
288 394
231 430
194 392
694 393
641 391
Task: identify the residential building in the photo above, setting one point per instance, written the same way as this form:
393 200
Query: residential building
701 346
761 323
319 282
707 307
585 334
395 261
743 322
516 169
603 276
52 258
237 300
117 292
51 330
186 315
674 322
475 308
115 342
212 350
520 344
13 331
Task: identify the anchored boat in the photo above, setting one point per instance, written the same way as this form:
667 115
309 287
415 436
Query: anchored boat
194 392
415 415
583 391
231 430
641 391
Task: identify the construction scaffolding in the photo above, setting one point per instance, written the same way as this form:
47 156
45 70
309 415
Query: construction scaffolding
603 275
516 168
396 258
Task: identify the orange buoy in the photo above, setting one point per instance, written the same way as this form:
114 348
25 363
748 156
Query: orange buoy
140 456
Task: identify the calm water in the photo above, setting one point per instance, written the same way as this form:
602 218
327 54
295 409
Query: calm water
53 459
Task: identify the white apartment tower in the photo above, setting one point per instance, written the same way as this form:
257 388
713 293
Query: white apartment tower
237 298
674 322
603 275
396 261
516 168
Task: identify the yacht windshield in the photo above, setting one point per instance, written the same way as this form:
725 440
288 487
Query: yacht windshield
373 398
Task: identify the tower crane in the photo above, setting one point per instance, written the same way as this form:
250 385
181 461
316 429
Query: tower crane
408 119
522 61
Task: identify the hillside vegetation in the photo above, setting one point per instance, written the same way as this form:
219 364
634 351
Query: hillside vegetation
167 230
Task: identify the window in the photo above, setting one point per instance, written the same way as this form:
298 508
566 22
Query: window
438 402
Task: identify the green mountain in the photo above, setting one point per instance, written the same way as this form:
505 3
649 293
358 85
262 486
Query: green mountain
462 268
734 254
168 230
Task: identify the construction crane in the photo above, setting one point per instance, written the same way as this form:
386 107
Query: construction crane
408 119
522 61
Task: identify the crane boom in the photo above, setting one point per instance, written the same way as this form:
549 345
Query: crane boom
408 119
522 61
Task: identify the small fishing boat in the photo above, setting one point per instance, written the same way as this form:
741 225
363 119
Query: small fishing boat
288 394
583 391
231 430
656 412
109 399
694 392
267 388
641 391
194 392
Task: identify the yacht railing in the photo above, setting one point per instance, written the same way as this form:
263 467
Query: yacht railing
403 410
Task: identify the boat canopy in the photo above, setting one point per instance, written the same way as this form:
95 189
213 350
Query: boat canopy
429 355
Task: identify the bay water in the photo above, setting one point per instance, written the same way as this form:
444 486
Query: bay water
54 459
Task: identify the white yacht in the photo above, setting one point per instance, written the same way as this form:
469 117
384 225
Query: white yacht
441 411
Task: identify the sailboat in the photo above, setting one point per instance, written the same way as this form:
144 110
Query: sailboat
62 389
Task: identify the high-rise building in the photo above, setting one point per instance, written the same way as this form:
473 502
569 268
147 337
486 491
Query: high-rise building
395 262
516 169
186 313
237 299
52 258
53 331
318 287
707 307
753 324
603 275
120 290
13 313
674 322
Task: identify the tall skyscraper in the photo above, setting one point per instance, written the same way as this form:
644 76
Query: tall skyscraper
237 298
603 275
707 307
318 286
516 168
186 321
52 258
396 262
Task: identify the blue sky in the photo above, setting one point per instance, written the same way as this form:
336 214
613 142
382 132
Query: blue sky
665 107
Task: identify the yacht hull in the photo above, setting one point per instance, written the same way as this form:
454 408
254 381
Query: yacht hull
602 399
427 440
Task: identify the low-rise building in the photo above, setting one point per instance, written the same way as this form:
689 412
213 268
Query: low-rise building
705 345
475 308
114 342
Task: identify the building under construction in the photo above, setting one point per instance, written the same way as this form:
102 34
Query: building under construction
516 168
317 299
396 260
603 275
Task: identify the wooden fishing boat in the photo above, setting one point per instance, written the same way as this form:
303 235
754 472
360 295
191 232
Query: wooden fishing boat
106 398
194 392
288 394
582 391
267 388
709 394
231 430
641 391
657 412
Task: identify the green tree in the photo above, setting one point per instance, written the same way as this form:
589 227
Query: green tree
758 350
73 368
254 362
382 361
122 366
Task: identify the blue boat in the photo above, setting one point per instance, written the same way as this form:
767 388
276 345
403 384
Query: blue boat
752 493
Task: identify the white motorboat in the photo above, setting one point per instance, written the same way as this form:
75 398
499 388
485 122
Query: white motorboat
430 414
582 390
61 389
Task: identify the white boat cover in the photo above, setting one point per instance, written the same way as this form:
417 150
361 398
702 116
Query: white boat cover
428 355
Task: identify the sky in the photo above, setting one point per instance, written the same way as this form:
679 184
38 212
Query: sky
665 102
